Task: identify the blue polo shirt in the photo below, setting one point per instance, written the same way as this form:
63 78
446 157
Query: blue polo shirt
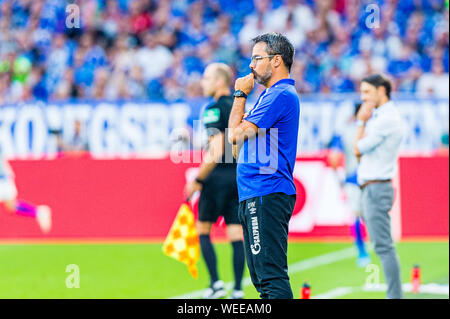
266 161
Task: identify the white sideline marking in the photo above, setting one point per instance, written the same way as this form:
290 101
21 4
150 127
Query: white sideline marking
306 264
432 288
335 293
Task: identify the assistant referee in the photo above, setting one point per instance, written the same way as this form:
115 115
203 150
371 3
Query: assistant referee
217 182
266 187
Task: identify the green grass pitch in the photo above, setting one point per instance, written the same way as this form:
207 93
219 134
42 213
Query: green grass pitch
143 271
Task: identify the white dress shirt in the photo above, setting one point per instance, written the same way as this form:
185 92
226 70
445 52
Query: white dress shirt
380 145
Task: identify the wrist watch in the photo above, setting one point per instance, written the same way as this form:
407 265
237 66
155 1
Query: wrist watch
239 93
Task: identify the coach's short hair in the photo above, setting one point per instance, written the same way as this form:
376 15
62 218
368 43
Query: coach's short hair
278 44
378 80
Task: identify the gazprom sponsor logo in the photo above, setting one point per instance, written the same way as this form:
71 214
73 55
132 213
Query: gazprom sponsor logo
256 246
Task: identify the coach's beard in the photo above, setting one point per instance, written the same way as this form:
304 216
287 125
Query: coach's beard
262 79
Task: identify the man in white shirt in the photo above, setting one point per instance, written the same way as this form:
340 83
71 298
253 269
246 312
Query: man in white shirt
378 139
154 59
435 83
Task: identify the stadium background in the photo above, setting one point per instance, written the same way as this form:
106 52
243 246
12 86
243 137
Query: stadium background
127 78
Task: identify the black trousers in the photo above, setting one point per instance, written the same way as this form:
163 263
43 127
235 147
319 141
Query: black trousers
265 222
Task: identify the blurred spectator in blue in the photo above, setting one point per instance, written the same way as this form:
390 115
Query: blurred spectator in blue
194 32
336 82
256 23
83 74
335 57
94 54
405 69
38 84
57 61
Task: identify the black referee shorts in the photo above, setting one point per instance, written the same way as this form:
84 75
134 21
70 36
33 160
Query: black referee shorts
219 197
265 221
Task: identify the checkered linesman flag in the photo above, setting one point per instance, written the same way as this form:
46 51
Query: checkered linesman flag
182 242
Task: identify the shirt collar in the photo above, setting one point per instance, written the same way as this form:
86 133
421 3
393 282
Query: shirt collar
223 97
285 81
383 107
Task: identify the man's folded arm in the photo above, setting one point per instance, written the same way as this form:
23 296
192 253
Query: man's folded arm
242 132
369 142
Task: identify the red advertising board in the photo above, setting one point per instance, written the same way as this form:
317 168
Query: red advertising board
139 198
424 185
98 198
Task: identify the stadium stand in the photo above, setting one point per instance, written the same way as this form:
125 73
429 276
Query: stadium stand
147 49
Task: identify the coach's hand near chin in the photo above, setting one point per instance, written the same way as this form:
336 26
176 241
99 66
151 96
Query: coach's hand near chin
365 112
245 84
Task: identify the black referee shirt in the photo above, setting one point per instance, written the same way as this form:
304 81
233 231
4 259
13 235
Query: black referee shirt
216 117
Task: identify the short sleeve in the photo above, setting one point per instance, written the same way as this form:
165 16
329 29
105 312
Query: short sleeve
267 111
213 119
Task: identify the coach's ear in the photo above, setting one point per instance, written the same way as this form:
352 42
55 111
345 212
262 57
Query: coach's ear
277 61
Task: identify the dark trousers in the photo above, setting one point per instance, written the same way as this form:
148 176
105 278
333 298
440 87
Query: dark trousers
265 222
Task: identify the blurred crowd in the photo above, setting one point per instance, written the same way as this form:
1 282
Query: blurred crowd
158 49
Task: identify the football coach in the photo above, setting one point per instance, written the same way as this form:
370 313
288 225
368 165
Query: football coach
265 182
378 139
